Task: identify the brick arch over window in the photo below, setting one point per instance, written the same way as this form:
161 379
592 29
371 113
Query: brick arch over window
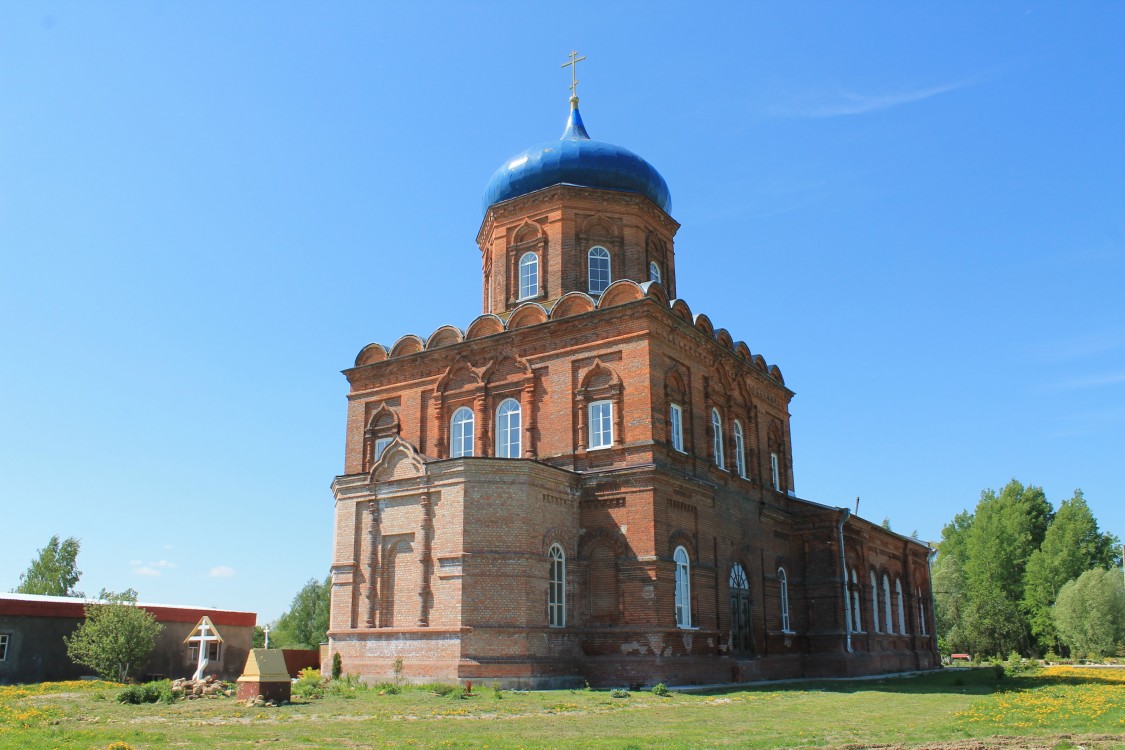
527 239
601 551
508 376
676 395
683 538
599 383
383 426
460 386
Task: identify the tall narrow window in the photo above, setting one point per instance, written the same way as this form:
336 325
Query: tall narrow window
739 586
901 610
601 424
654 272
739 450
529 275
783 591
683 588
599 269
381 445
676 426
921 612
857 614
556 588
888 623
461 433
717 439
4 637
874 603
508 429
775 472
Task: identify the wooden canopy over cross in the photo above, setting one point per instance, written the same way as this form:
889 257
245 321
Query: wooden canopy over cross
203 635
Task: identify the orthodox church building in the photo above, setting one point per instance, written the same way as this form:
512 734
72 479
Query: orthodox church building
593 482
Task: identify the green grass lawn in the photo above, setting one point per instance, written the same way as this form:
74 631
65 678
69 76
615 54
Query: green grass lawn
1055 708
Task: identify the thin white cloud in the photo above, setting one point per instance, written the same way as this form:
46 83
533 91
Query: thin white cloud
163 564
146 571
847 103
134 562
221 571
1088 381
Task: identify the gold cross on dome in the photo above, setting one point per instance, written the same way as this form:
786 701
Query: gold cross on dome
574 60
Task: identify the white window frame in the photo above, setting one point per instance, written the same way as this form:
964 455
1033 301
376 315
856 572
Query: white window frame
462 432
676 421
600 425
654 272
901 611
887 604
595 283
212 646
739 450
875 602
5 643
717 438
381 445
775 471
783 593
509 421
529 275
556 587
683 587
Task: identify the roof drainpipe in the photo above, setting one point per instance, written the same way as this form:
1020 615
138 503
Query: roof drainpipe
844 515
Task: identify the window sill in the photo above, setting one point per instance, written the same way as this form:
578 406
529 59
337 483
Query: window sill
599 448
789 632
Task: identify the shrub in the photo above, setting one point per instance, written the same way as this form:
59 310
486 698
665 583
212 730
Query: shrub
661 690
309 684
440 688
497 691
337 665
151 692
618 693
389 688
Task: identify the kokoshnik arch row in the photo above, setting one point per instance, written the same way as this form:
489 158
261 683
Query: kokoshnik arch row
592 482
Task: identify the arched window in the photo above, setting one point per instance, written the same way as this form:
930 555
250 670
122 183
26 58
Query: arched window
601 425
857 614
529 275
717 439
901 610
739 450
783 591
739 585
874 603
683 588
887 621
508 429
599 269
654 272
556 588
461 433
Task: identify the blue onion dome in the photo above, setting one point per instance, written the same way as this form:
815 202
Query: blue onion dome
575 159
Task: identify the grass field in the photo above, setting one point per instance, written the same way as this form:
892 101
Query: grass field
1058 707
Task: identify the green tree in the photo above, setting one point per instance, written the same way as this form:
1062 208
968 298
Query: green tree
1089 613
1072 545
54 571
1007 528
117 637
305 625
950 593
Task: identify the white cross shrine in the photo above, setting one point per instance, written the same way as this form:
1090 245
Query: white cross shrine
203 635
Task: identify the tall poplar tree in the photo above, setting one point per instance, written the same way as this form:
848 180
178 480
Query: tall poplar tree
54 571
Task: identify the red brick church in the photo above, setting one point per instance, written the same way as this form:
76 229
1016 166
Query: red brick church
593 482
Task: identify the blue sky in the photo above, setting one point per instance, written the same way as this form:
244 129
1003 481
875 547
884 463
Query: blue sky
916 210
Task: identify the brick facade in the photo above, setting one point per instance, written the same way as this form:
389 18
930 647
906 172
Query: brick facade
444 562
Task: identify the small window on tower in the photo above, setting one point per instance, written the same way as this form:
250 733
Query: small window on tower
529 276
676 427
775 471
654 272
599 269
